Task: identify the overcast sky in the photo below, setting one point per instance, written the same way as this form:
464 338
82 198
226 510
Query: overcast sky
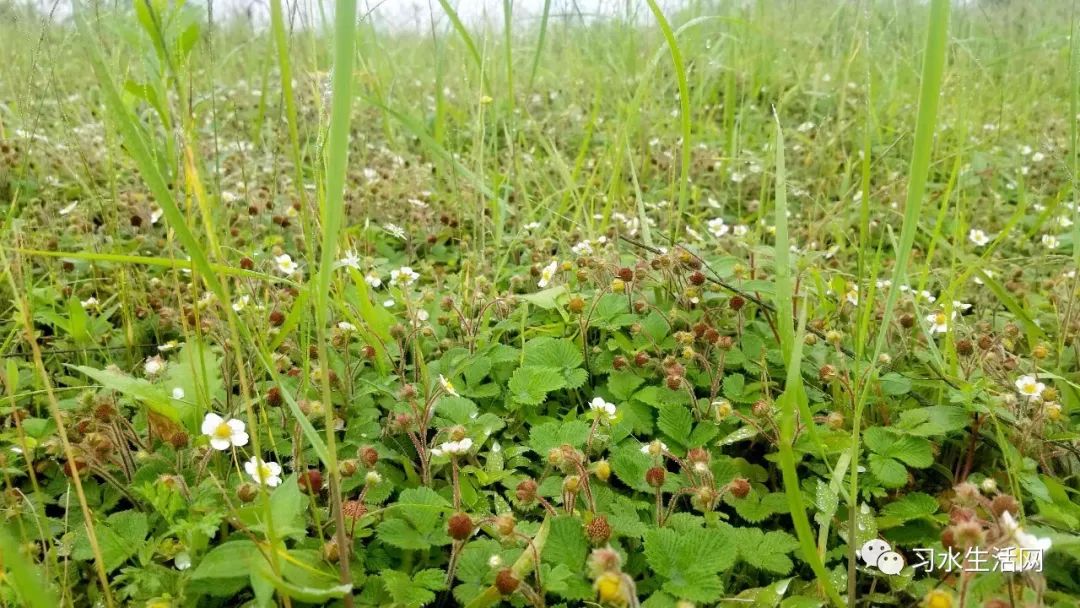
415 13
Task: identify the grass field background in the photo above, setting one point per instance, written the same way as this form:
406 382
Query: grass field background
650 305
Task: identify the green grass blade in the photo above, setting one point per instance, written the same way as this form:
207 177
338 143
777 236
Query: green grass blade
684 117
929 96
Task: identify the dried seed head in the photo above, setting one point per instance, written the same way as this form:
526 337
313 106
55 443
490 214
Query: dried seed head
247 492
736 303
459 526
526 491
368 456
625 274
598 531
353 509
330 550
907 320
1003 503
965 348
641 359
986 342
310 481
739 487
655 476
835 421
277 318
827 373
697 278
505 524
576 305
273 396
348 467
506 582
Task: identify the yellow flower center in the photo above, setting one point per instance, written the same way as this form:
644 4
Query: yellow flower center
264 472
940 318
223 431
1029 389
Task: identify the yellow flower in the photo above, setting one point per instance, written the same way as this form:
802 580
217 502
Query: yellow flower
609 588
938 599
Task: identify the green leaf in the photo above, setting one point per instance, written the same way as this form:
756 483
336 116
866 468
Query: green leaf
623 384
676 422
766 551
911 506
231 559
933 420
546 299
690 562
558 353
757 506
893 383
549 435
415 591
530 385
151 395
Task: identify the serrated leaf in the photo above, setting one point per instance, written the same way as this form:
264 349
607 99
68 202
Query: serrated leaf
530 385
766 551
690 563
623 384
676 422
933 420
893 383
911 506
550 435
558 353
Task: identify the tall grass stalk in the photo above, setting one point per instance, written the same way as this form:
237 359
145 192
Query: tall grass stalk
333 215
929 96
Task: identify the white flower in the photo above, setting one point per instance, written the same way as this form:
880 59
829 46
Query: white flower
717 227
740 230
264 473
395 230
978 237
1038 157
1064 221
170 345
884 284
90 303
241 303
182 560
372 478
346 326
531 226
373 280
1024 540
177 393
447 386
388 303
403 276
939 322
852 295
68 209
455 448
599 405
154 365
285 264
961 306
494 561
350 259
155 214
582 248
223 433
547 274
804 127
1030 387
1050 241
